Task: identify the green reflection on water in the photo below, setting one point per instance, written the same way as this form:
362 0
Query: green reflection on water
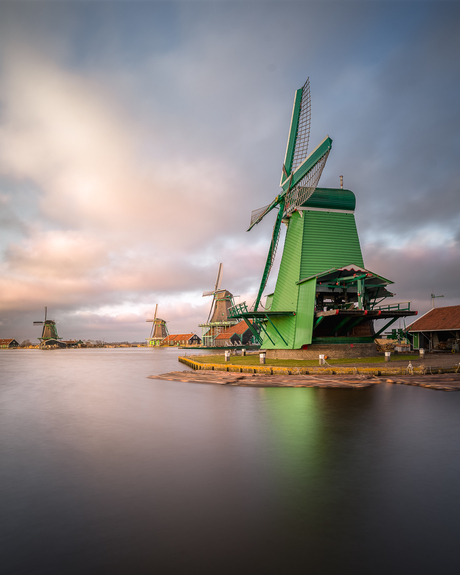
316 440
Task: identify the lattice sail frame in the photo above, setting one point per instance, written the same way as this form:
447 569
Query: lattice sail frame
259 213
305 188
303 128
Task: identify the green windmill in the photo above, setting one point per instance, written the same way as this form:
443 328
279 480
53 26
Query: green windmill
323 293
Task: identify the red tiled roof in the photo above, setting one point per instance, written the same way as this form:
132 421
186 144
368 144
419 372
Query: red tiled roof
6 341
239 328
439 318
178 337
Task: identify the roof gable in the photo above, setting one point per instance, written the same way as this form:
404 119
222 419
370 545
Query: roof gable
239 328
438 318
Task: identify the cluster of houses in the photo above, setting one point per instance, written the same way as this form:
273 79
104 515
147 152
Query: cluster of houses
235 335
436 330
13 343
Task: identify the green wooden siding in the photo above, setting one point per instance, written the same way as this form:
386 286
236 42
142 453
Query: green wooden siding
268 302
286 292
315 242
330 240
305 313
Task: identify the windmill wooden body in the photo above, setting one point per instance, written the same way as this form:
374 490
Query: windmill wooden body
218 318
323 293
159 330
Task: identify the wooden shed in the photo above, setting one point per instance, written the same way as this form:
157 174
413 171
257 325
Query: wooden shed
437 330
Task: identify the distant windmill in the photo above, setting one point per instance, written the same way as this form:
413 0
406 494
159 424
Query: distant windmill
159 330
222 300
49 331
218 320
433 298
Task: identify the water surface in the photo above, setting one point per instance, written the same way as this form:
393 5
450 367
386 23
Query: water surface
106 471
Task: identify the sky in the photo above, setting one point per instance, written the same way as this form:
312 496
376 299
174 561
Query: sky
137 137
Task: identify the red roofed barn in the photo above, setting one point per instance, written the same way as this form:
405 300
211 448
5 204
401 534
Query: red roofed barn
182 339
438 329
8 343
238 334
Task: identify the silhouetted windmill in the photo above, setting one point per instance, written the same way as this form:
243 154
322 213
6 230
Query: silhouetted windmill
159 330
49 332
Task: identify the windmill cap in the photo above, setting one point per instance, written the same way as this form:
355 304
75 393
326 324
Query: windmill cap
332 198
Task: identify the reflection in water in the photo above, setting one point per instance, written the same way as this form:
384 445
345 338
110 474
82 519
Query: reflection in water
106 471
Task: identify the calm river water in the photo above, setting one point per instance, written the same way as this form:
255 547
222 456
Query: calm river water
106 471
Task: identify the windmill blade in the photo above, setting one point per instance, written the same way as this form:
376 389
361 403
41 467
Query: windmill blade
305 188
46 311
218 278
152 331
206 293
258 215
271 254
38 323
213 303
295 178
299 131
303 128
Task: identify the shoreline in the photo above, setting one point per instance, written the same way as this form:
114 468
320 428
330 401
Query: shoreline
377 370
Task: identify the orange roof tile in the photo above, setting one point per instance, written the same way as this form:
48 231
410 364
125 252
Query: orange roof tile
438 319
179 337
238 328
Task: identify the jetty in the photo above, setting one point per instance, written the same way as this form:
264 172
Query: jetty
435 372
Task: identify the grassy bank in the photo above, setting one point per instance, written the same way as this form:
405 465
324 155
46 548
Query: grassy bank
254 360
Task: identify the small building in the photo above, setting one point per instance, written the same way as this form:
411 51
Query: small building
182 339
437 330
238 334
52 343
8 343
72 342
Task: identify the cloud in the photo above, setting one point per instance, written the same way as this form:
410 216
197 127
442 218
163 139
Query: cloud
134 145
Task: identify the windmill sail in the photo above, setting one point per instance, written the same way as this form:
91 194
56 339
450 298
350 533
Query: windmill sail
257 215
271 255
154 321
305 188
214 292
303 128
300 174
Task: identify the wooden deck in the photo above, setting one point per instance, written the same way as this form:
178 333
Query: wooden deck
443 382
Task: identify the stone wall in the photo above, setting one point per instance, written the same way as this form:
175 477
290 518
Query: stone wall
336 351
